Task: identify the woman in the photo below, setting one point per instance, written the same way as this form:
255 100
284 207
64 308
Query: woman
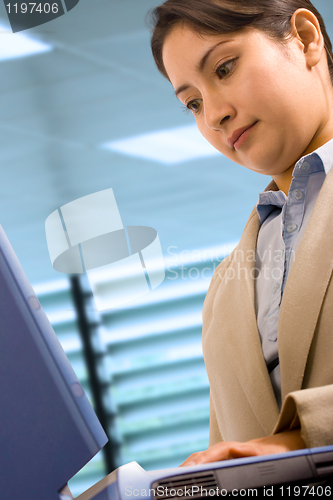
257 75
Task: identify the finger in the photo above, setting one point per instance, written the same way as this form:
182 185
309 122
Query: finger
219 451
243 450
215 453
192 459
224 451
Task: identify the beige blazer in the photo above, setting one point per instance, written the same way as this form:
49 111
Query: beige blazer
243 405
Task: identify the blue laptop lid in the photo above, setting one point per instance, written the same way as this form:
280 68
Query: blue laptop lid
48 429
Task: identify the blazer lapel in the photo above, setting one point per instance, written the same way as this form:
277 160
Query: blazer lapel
305 289
234 311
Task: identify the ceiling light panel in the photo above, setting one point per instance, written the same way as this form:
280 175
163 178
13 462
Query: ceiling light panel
15 45
171 146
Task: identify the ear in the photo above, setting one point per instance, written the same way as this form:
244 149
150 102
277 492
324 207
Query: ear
306 28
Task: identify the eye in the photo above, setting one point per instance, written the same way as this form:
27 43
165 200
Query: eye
225 69
194 105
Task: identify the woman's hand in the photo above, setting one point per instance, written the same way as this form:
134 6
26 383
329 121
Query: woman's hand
279 443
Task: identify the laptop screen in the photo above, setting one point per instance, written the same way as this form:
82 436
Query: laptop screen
48 429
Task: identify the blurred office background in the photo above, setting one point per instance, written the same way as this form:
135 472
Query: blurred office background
73 92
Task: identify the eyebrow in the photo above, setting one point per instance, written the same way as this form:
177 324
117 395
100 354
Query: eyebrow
201 65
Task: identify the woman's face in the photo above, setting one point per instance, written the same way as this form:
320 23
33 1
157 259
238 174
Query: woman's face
254 100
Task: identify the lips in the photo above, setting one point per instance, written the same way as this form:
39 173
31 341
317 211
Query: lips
231 141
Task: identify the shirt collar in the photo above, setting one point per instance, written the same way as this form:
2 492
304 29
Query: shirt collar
320 160
325 153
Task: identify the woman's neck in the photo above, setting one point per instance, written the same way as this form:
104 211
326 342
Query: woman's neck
321 137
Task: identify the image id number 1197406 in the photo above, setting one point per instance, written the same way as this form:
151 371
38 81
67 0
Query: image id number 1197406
302 491
30 8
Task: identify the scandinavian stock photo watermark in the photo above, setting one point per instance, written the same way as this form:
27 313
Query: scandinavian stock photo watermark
249 264
87 236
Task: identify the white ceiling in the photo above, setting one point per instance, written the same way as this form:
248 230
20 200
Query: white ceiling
97 85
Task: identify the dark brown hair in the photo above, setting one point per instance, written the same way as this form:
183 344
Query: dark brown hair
227 16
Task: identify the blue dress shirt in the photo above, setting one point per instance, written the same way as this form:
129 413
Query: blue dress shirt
283 222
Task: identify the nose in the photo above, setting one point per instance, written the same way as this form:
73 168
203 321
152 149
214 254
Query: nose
217 111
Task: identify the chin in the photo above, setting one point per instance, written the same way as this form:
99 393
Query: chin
266 163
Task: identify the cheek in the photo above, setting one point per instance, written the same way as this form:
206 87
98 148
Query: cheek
258 96
265 83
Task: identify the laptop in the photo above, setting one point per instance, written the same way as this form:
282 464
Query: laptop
49 431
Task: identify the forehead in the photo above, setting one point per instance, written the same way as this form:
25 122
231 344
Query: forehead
183 39
185 51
